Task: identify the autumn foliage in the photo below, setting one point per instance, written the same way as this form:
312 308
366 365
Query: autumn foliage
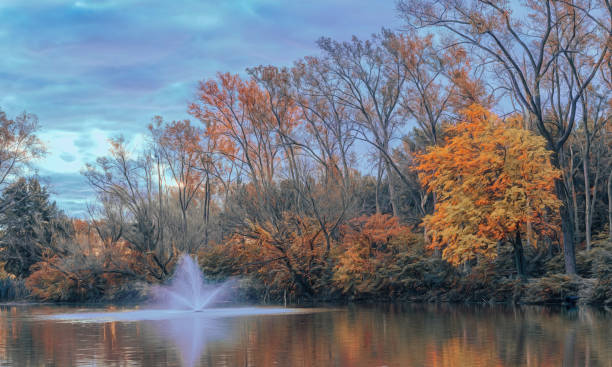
369 248
290 255
89 269
491 179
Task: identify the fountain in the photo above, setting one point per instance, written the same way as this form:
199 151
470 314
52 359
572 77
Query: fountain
187 295
187 289
181 312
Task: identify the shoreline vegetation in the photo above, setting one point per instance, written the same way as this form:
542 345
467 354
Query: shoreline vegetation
467 158
427 281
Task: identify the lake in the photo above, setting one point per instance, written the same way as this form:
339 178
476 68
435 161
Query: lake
377 335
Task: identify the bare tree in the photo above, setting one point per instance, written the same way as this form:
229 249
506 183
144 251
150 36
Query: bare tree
591 128
181 148
370 81
19 145
310 151
139 186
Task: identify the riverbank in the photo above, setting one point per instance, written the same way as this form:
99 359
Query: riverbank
415 275
556 289
409 275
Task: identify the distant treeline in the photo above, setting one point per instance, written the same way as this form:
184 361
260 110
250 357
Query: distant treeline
374 170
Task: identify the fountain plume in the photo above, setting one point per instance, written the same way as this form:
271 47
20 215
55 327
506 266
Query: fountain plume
187 289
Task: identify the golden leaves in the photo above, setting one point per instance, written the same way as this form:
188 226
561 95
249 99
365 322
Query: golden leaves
490 178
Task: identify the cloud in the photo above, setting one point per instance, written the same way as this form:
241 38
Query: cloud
93 69
67 157
69 151
70 191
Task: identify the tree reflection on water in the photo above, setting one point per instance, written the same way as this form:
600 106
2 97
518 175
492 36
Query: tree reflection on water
411 335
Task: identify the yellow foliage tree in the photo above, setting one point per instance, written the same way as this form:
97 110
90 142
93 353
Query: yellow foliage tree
491 178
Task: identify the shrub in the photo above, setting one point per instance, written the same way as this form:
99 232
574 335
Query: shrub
367 259
551 289
12 289
289 256
600 258
87 274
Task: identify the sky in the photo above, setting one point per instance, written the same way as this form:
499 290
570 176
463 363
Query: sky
95 69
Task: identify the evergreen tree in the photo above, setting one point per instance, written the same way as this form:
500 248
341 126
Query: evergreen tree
31 227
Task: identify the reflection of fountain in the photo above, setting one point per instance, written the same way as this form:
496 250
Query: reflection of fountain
191 334
188 333
187 289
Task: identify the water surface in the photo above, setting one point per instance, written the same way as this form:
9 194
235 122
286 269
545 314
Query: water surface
383 335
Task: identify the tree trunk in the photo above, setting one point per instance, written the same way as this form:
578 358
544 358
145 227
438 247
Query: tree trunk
519 257
392 195
427 234
572 188
184 214
610 206
567 225
587 197
529 233
575 208
206 208
593 200
378 184
569 251
589 205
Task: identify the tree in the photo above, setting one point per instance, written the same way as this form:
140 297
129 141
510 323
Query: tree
19 145
308 151
243 131
370 81
233 111
32 226
545 56
438 84
328 121
181 147
594 119
135 186
491 178
288 255
258 125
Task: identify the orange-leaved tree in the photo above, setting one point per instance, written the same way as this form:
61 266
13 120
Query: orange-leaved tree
287 256
368 254
491 178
